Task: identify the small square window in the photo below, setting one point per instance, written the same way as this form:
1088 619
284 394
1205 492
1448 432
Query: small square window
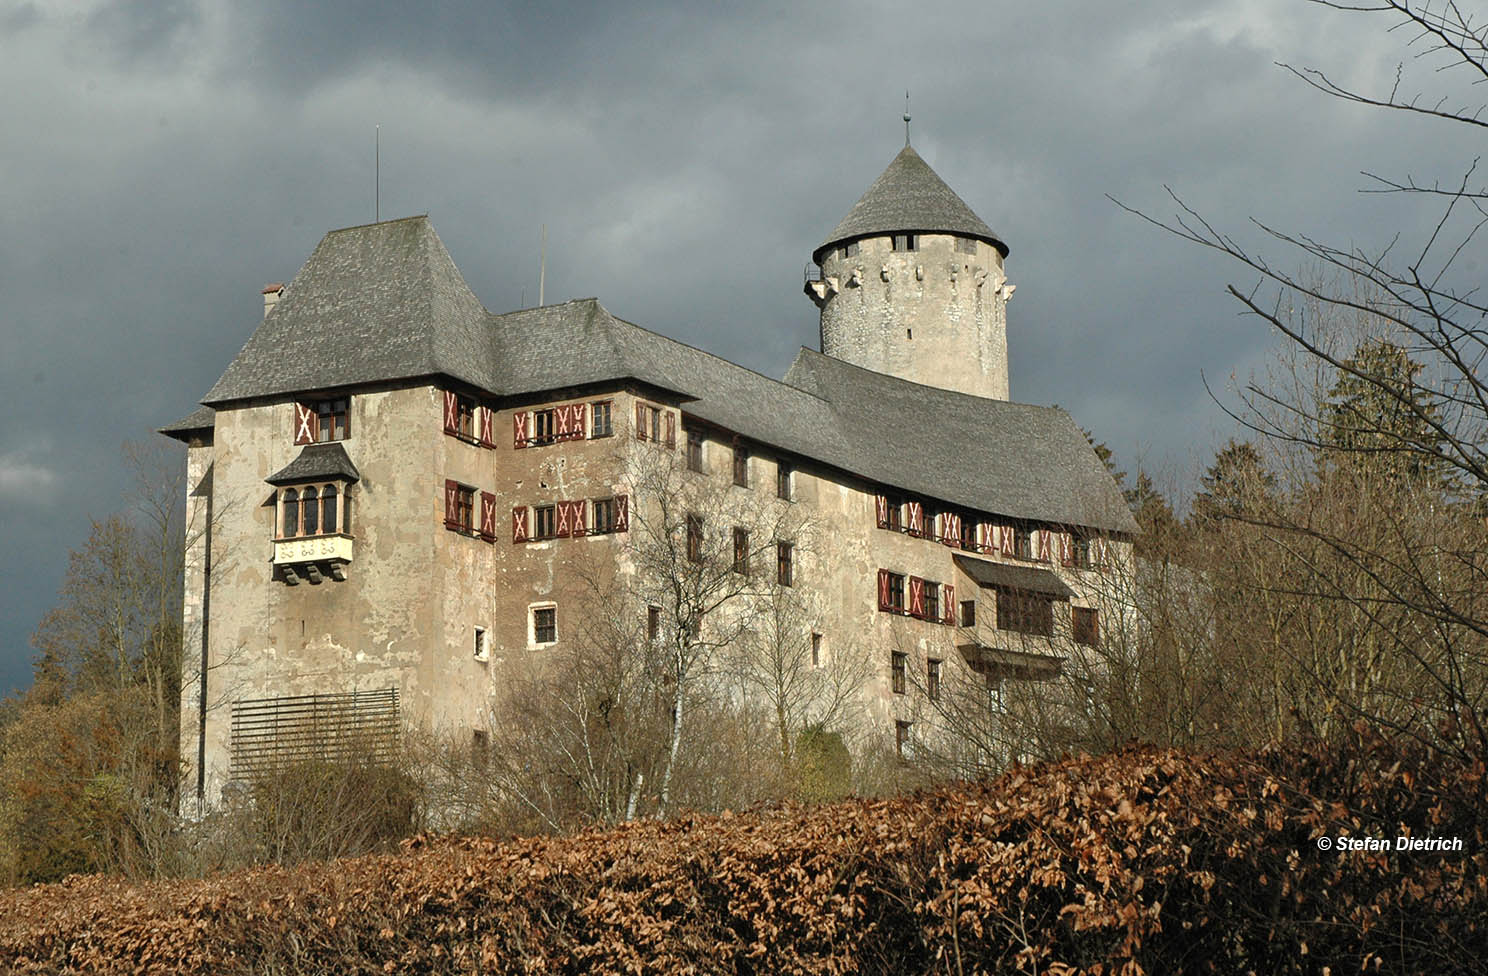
785 573
741 551
482 645
968 613
932 679
601 424
1086 626
783 473
545 625
544 522
966 245
850 249
898 664
332 420
906 242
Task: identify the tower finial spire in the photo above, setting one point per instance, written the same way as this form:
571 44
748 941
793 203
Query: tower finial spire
906 116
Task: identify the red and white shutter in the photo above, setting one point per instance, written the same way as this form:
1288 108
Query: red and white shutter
576 423
563 510
578 518
622 513
950 529
519 524
916 518
1103 550
487 426
451 412
451 504
671 430
883 589
640 429
1044 549
560 422
519 428
488 516
307 424
881 510
948 593
1009 545
1066 549
916 597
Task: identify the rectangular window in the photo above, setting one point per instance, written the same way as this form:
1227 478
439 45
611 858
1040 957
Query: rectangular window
932 679
600 422
783 474
850 249
906 242
898 664
901 739
784 569
816 650
695 451
544 522
480 748
896 592
932 601
966 245
741 466
695 538
545 625
1085 623
741 551
1022 543
1082 551
332 420
465 422
482 648
968 534
968 613
462 517
896 514
544 429
1025 613
653 623
604 516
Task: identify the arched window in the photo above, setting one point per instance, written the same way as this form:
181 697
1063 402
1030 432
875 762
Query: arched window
328 500
311 512
291 514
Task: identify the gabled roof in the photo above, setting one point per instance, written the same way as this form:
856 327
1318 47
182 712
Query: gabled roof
909 196
373 303
317 462
988 574
1004 458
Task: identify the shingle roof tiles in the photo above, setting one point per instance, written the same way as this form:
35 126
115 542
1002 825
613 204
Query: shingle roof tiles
909 196
385 302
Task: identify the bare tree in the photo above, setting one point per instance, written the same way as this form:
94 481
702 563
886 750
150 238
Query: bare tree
1410 580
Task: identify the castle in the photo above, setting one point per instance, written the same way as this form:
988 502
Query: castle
392 486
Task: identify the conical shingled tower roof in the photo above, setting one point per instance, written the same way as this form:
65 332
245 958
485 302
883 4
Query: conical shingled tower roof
909 196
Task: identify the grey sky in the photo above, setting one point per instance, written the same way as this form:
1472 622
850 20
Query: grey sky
163 159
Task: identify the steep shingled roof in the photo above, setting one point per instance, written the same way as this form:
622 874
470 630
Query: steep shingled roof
909 196
1005 458
317 462
377 302
202 418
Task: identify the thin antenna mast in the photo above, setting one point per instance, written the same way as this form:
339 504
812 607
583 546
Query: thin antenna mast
542 273
377 178
906 116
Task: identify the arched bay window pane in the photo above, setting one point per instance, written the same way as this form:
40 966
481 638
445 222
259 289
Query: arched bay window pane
291 514
311 514
328 505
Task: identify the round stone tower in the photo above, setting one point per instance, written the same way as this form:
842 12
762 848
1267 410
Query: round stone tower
910 283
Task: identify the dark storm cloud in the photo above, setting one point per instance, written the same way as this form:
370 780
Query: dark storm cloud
163 160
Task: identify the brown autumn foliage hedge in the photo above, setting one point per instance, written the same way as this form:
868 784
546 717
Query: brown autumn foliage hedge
1143 861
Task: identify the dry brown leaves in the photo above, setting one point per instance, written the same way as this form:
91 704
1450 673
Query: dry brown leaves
1138 862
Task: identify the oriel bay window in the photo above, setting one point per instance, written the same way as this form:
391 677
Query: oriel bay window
311 510
1024 612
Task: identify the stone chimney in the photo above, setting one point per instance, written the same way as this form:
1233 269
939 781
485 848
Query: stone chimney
271 294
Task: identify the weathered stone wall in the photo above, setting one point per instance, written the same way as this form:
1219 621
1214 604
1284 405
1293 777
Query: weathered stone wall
934 315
